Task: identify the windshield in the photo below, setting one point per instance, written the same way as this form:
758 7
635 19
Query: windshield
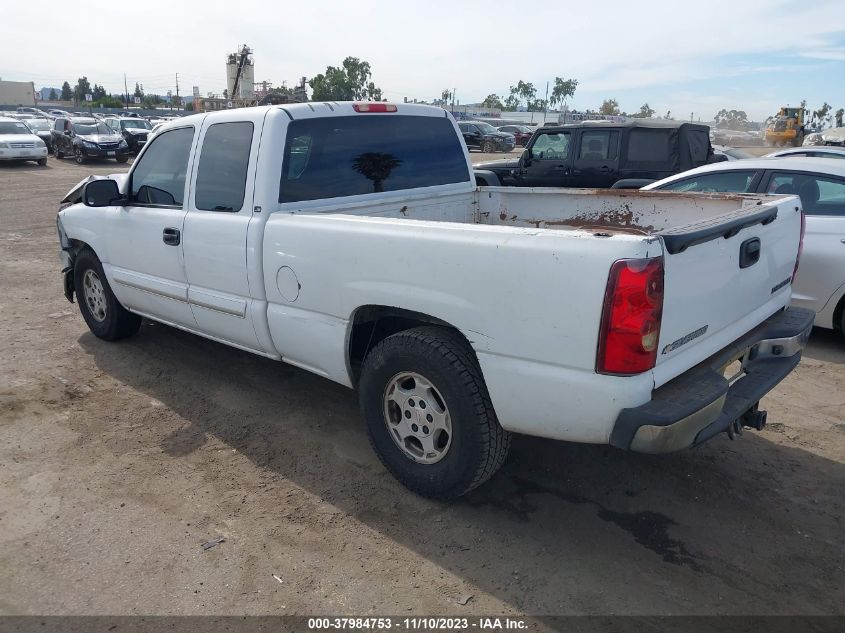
486 128
16 127
137 123
91 128
40 124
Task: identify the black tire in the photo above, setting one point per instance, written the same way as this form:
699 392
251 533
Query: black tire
113 322
122 159
42 161
58 152
478 444
78 156
489 147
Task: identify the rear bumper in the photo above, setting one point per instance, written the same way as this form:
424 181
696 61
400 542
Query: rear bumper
701 403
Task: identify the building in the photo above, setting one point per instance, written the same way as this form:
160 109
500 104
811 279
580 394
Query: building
17 93
240 61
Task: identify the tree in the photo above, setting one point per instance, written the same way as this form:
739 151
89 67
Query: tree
493 101
139 90
821 115
731 119
445 97
668 114
646 112
98 93
83 87
108 102
189 107
839 113
376 166
609 107
562 89
67 93
512 101
53 96
538 105
350 82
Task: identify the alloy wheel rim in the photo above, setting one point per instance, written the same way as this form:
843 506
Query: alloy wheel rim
95 295
417 418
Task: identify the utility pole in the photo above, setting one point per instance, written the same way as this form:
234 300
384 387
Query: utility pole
126 88
177 93
453 99
546 104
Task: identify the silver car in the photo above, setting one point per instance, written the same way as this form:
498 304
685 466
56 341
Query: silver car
820 183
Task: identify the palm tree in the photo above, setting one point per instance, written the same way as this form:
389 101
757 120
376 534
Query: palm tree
376 166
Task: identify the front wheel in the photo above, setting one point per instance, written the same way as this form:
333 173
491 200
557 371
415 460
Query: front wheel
78 156
58 152
42 161
102 312
489 147
122 159
428 414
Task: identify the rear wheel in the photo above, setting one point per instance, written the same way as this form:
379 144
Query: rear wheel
428 413
102 312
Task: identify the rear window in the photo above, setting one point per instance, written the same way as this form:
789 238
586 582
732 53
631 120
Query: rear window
716 182
349 156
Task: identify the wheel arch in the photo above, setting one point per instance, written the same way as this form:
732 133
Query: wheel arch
370 324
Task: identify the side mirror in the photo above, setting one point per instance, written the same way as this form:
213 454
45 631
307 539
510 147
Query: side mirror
100 193
525 158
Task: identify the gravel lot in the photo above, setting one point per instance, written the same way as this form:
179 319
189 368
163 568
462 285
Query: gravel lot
117 461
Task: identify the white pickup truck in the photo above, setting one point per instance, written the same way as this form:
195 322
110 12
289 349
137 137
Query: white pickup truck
349 239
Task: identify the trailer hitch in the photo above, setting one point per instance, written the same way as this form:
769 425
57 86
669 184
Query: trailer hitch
753 418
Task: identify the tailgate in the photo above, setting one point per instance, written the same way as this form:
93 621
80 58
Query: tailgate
717 287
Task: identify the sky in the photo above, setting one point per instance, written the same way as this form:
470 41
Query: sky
692 58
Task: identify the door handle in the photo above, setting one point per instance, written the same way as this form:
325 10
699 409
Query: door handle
604 169
171 237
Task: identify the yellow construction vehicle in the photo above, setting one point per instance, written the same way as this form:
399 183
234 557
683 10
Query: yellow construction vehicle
786 128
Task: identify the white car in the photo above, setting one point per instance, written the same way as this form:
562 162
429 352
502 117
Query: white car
17 142
820 183
811 152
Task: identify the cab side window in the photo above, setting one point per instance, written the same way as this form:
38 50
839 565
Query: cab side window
224 159
158 178
551 146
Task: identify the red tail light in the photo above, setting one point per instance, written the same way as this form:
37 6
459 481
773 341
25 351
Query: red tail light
630 323
800 245
373 106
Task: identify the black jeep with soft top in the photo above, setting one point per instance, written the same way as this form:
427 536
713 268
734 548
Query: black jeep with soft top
602 154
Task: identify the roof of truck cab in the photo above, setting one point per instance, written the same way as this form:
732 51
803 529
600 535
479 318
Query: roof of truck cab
345 108
631 123
299 111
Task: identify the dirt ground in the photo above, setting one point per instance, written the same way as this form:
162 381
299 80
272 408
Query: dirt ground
118 461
